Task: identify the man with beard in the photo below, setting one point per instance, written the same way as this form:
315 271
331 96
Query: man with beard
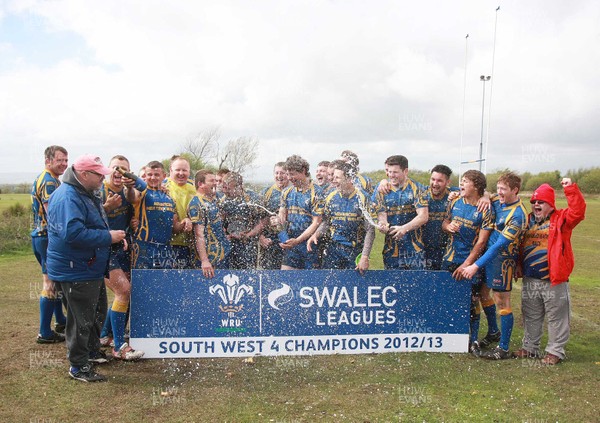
79 241
56 159
436 198
547 259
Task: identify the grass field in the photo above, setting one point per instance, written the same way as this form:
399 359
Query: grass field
364 388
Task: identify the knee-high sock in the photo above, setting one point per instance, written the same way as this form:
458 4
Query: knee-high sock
59 315
46 312
128 312
489 308
475 318
506 322
107 327
118 318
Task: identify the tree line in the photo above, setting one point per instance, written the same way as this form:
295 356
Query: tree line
588 179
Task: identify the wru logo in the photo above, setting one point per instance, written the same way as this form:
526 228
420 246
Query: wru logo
231 292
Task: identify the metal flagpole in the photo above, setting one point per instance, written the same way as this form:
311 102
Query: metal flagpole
483 79
487 141
462 132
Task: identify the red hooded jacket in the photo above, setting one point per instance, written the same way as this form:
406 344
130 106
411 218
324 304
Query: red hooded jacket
562 222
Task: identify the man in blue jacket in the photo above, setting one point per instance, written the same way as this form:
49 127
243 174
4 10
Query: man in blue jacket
79 242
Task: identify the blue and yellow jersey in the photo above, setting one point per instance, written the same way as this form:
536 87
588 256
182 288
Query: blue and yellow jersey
154 212
324 190
364 183
401 205
345 217
433 236
301 206
182 195
43 186
240 214
535 249
271 198
471 222
119 218
204 211
510 223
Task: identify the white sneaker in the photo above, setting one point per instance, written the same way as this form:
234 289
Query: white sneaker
127 353
107 341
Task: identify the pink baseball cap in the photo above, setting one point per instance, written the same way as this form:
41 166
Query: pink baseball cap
91 163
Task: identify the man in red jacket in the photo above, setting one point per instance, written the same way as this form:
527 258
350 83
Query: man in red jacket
547 258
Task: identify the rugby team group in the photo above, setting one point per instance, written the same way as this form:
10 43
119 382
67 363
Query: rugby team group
92 228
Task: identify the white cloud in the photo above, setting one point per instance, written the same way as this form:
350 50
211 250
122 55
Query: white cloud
311 78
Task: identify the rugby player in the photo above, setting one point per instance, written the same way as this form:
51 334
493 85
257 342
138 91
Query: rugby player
436 198
470 230
271 254
212 246
343 217
322 180
181 190
56 161
361 181
128 192
157 221
219 181
242 220
323 192
501 256
300 210
401 215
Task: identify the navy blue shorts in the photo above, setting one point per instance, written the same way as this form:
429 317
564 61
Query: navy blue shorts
300 258
476 282
119 258
500 272
39 245
338 256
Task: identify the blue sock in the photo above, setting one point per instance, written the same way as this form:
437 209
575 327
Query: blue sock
107 327
46 312
490 314
475 327
118 317
507 321
59 315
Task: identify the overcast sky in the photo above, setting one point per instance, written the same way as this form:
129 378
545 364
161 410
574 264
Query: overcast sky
304 77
